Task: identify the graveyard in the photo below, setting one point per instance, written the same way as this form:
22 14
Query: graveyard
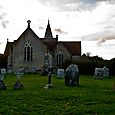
91 96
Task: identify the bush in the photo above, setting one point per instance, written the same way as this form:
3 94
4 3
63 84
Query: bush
85 67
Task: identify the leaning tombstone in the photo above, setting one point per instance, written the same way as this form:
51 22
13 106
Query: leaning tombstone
72 75
18 84
2 75
60 73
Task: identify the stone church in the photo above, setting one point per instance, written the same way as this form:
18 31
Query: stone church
31 52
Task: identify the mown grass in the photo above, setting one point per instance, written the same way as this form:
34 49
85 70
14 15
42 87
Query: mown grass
91 97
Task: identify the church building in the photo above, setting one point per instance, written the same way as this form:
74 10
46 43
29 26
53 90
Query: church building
31 52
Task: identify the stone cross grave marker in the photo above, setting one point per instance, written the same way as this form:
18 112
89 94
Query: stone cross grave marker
19 73
2 75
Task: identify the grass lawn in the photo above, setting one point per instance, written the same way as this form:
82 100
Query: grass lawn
91 97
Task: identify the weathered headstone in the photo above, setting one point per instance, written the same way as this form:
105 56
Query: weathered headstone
72 75
98 73
3 71
105 72
60 73
2 75
26 69
34 69
18 84
101 73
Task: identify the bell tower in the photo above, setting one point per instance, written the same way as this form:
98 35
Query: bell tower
48 33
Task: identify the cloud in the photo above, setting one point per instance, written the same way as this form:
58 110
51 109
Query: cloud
41 28
100 37
3 21
103 39
58 30
102 20
69 5
57 2
111 1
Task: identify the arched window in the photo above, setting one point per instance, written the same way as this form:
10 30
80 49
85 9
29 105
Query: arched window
59 58
28 52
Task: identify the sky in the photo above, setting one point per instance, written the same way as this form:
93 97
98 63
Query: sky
90 21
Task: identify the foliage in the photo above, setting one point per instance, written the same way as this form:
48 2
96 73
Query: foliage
85 66
112 66
90 97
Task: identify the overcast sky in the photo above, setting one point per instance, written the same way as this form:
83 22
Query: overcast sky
90 21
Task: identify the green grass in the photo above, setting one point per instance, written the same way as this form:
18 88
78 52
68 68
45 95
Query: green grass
91 97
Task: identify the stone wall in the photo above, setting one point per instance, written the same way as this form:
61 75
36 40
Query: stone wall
60 48
39 50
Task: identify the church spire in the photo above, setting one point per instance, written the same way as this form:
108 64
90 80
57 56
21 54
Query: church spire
48 33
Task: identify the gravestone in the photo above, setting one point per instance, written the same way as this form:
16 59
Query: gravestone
2 75
60 73
18 85
26 69
19 74
3 71
105 72
101 73
34 69
72 75
98 73
49 85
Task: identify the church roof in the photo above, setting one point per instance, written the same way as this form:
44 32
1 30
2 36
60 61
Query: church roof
48 33
26 31
8 46
51 44
73 47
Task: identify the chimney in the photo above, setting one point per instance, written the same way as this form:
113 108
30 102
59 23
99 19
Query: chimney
57 37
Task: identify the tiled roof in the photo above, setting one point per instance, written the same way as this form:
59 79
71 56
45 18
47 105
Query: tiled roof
9 45
51 43
73 47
